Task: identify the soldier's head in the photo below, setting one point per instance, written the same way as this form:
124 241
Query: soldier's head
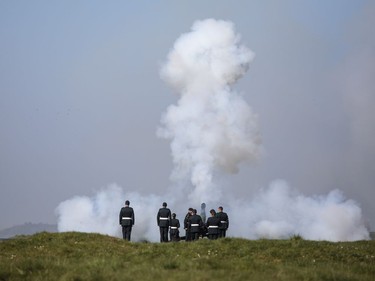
194 211
127 203
164 204
220 209
212 212
173 216
190 210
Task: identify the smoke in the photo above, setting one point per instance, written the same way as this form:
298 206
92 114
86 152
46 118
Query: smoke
281 212
213 130
100 213
276 212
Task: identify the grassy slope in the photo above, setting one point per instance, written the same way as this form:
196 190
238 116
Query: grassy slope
81 256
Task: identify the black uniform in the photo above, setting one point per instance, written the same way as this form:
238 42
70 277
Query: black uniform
174 232
163 217
224 223
126 220
186 226
195 225
213 224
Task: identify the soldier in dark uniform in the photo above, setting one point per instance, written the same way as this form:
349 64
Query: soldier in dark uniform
186 224
213 224
126 220
163 217
195 225
174 226
224 222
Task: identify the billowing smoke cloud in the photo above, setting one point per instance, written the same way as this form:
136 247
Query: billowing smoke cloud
213 130
281 212
211 127
100 214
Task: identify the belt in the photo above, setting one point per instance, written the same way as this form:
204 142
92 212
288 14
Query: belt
223 222
174 227
163 218
126 218
213 226
195 224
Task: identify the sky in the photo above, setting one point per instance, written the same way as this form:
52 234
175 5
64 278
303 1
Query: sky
82 97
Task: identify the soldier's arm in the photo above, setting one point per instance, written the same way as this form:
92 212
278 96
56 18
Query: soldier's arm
186 222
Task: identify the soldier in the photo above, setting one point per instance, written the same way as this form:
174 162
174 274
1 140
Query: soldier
163 217
186 224
126 220
195 224
224 222
213 224
174 226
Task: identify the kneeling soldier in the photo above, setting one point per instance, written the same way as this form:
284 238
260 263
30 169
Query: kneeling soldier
174 226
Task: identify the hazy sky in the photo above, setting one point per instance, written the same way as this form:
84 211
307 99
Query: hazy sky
81 98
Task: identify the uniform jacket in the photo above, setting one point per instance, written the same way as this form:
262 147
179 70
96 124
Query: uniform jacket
213 224
126 217
163 217
175 223
224 220
195 223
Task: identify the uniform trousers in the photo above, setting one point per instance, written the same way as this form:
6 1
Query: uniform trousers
126 232
163 234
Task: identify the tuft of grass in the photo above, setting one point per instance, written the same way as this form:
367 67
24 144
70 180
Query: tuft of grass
84 256
296 237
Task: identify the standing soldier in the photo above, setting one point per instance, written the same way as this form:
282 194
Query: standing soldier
163 217
195 224
213 224
174 226
126 220
224 222
186 224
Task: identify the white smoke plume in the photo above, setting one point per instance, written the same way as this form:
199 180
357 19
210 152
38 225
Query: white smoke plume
211 127
213 130
100 214
281 212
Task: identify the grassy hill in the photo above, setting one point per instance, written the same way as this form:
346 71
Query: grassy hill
82 256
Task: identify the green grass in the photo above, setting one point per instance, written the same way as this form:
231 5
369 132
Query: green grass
82 256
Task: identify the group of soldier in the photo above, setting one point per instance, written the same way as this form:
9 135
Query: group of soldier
195 225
